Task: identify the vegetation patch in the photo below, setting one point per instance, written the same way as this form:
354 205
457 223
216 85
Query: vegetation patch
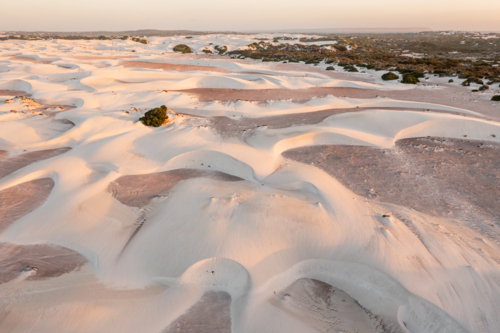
496 98
330 68
410 79
220 49
350 68
390 76
463 54
470 80
155 117
139 40
182 48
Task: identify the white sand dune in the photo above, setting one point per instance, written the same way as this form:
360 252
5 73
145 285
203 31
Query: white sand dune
238 215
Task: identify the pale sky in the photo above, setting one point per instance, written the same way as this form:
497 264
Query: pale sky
114 15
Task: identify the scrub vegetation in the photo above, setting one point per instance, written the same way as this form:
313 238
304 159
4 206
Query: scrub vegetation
461 54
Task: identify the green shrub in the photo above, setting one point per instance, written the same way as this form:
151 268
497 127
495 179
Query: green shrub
330 68
450 81
350 68
390 76
143 41
220 49
155 117
207 51
410 79
340 48
483 88
329 61
475 90
496 98
182 48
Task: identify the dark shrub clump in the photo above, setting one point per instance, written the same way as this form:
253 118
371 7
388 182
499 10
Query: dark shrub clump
350 68
220 49
330 68
155 117
183 48
410 79
496 98
389 76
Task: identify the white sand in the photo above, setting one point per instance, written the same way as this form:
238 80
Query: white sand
260 239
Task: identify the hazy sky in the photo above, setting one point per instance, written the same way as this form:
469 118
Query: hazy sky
79 15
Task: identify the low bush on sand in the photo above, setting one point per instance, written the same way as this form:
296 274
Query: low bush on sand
410 79
207 51
496 98
483 88
155 117
220 49
340 48
330 68
470 80
350 68
390 76
182 48
138 40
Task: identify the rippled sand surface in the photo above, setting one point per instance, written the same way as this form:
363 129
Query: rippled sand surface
278 197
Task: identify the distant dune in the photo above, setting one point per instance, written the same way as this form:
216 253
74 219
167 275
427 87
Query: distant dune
166 33
351 30
143 32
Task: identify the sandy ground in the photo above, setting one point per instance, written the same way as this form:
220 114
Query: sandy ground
210 314
22 199
36 262
278 197
13 93
453 178
170 67
454 97
10 164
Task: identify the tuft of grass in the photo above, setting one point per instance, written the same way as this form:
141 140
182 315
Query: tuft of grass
155 117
